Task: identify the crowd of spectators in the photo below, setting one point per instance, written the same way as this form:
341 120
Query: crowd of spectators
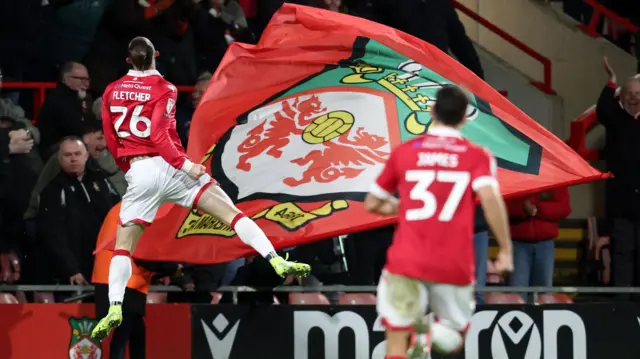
58 181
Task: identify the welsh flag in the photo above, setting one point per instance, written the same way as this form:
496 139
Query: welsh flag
296 129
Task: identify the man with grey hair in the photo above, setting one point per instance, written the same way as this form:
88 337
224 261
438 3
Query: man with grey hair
185 113
65 109
619 114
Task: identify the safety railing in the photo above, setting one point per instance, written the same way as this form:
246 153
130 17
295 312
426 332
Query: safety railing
545 84
330 289
580 127
41 88
600 10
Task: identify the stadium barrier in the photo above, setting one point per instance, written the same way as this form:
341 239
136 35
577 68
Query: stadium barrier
40 92
225 331
601 11
544 85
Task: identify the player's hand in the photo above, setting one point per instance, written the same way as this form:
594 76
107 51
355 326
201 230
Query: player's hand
609 70
530 208
78 279
197 171
504 262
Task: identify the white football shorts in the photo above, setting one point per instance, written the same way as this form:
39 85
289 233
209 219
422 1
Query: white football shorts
151 183
402 301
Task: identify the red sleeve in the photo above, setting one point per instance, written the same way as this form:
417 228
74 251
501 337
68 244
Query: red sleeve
484 171
164 110
557 208
515 207
386 184
110 132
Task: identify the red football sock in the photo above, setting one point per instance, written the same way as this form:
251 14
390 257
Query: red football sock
395 357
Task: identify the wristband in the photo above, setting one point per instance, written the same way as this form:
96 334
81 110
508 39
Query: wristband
186 166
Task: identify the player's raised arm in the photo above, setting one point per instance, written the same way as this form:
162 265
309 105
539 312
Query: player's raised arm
165 109
485 184
380 198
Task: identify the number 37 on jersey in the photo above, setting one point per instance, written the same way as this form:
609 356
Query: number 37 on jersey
438 188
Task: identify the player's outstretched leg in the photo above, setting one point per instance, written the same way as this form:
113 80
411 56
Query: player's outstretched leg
119 274
216 203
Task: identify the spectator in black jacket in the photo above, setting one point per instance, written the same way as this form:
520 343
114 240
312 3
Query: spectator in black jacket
72 209
20 182
6 264
434 21
65 109
622 154
216 23
122 20
125 19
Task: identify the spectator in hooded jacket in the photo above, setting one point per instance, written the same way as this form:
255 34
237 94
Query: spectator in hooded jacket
72 208
534 228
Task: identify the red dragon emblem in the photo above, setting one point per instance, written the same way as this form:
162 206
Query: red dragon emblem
344 155
287 122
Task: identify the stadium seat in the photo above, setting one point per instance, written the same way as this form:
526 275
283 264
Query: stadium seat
557 298
156 298
43 297
493 277
356 299
503 298
8 298
215 297
308 298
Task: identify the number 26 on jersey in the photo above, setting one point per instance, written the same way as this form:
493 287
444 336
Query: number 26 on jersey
134 121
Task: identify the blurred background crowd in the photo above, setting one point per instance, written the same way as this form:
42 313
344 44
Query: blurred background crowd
58 181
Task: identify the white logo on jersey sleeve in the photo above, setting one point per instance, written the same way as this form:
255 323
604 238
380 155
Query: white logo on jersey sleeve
170 104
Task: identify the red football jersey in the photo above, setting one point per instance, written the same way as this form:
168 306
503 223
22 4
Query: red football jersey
434 177
138 118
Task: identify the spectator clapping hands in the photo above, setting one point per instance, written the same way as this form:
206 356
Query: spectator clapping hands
20 142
